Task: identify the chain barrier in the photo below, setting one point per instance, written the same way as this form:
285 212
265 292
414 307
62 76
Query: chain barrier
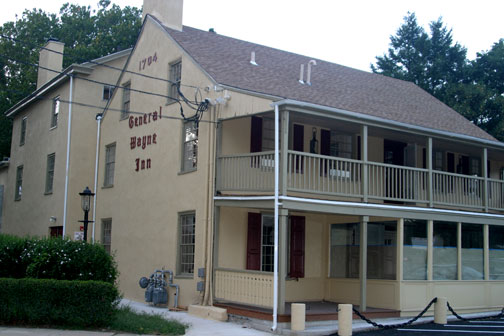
394 326
501 314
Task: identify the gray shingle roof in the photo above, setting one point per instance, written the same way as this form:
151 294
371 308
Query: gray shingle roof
227 61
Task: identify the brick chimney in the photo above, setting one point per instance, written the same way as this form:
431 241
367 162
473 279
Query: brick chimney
50 60
169 12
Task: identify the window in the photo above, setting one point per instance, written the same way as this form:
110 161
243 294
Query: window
262 134
187 236
106 234
190 146
56 231
109 165
496 252
55 112
50 173
22 136
107 92
415 249
175 78
445 251
261 244
472 252
19 183
126 100
381 254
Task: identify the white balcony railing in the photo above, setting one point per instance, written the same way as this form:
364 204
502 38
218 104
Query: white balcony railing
326 175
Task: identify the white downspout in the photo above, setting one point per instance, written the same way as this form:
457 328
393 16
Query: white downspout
98 119
67 165
275 263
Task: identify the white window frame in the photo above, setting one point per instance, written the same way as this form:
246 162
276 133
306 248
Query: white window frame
22 135
126 100
186 242
106 234
51 163
108 176
55 112
175 77
264 246
19 183
189 146
108 91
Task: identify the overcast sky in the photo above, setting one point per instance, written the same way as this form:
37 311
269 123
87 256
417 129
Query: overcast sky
347 32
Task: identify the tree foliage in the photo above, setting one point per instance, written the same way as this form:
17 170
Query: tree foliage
439 66
87 34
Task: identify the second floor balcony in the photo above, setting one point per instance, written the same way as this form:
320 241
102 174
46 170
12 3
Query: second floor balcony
395 169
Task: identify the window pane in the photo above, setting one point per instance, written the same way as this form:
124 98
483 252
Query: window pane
496 236
381 255
472 252
445 251
55 112
50 173
415 250
345 242
187 243
190 146
109 165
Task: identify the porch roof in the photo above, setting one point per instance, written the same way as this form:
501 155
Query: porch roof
227 61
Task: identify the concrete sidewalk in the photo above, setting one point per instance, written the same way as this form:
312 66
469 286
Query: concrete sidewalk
237 327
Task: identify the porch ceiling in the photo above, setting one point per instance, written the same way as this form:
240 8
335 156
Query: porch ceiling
360 209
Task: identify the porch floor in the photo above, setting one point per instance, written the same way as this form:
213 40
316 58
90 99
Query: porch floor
315 311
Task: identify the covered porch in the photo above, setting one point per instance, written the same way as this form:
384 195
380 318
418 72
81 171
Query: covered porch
404 258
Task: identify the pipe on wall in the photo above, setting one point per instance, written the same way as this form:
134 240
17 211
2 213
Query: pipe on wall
98 119
67 164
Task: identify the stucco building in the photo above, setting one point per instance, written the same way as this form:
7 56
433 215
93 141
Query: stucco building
215 152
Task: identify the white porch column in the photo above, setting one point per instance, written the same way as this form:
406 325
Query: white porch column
484 165
459 251
400 249
364 158
486 251
430 249
429 167
284 143
282 267
363 261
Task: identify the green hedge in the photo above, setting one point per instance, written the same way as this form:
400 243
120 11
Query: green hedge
57 302
55 258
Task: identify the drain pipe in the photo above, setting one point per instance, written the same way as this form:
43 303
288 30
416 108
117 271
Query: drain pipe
67 164
99 117
275 263
171 284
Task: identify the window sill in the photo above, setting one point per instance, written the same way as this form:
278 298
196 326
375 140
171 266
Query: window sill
183 172
107 186
53 127
184 276
124 117
172 101
17 200
48 193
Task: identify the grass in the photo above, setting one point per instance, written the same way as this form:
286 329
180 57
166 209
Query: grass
140 323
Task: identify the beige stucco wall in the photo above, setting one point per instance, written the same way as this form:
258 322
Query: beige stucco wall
31 215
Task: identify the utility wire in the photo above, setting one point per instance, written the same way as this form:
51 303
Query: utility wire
42 97
92 80
33 46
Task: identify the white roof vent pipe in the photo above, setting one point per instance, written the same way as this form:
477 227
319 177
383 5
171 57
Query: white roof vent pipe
252 58
308 79
301 74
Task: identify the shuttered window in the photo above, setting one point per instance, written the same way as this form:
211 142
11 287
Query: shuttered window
260 244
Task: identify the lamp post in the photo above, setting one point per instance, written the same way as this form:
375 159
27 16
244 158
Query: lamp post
86 196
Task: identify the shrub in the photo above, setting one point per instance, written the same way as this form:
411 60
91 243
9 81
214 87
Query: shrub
55 258
57 302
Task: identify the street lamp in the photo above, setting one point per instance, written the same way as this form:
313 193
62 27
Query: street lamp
86 196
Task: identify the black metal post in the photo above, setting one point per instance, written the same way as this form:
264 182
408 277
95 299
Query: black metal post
86 221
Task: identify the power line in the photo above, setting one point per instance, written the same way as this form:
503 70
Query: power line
97 63
42 97
91 80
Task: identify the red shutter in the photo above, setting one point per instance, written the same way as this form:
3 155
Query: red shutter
254 241
256 135
297 247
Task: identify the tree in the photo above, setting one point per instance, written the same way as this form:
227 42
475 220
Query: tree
87 35
430 61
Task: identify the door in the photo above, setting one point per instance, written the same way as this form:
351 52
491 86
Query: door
393 153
